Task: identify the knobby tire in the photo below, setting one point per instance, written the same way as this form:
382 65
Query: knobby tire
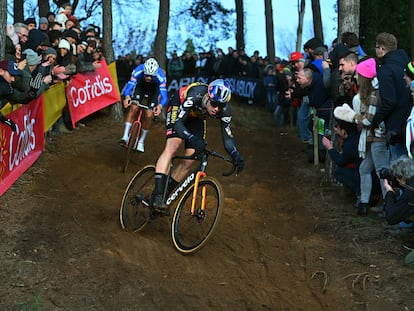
131 144
134 214
190 233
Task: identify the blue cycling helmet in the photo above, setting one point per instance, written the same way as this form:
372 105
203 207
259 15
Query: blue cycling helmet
219 91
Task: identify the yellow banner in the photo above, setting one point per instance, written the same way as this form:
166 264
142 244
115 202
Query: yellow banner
112 71
55 101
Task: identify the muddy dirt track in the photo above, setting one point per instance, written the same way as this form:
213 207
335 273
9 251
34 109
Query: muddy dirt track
288 240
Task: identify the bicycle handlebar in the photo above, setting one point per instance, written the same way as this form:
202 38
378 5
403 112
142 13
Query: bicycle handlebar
209 152
146 107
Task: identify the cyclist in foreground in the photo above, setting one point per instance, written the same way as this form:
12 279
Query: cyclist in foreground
186 122
146 79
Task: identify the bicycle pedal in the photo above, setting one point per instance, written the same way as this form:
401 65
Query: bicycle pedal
162 212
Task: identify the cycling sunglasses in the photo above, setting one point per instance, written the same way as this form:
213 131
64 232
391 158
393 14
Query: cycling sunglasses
215 104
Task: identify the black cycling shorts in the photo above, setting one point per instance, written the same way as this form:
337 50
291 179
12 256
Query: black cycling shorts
146 90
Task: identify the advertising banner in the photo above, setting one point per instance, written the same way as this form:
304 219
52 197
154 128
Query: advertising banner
20 149
90 92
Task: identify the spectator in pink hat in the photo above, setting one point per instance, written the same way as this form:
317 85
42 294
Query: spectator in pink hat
372 147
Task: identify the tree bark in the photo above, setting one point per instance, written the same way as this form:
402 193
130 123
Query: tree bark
301 16
348 16
240 24
107 30
270 39
317 20
160 43
3 21
44 8
18 11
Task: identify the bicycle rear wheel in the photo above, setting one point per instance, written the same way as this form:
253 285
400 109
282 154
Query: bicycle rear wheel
191 232
135 209
131 144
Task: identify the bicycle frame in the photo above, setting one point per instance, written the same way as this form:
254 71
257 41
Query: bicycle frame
137 121
192 178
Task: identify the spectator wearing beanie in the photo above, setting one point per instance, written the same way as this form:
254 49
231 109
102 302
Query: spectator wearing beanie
43 24
22 82
372 147
409 74
297 59
30 22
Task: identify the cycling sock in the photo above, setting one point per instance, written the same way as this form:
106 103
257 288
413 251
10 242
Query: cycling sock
143 136
159 183
126 131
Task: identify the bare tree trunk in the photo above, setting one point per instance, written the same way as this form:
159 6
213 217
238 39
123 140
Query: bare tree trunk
317 20
44 8
18 11
412 27
348 16
3 21
160 44
301 15
270 41
240 24
107 31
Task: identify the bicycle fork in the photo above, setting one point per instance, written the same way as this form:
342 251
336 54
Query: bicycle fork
200 212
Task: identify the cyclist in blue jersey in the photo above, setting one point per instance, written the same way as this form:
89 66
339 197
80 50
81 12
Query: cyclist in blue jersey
147 80
187 112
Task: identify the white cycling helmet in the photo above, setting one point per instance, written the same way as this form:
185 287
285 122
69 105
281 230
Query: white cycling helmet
151 67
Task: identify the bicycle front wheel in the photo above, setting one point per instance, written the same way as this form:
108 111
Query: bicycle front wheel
135 209
132 142
191 232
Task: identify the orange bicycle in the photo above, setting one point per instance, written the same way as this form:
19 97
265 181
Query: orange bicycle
200 203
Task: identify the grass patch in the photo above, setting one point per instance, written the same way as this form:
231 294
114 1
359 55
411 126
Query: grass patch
251 116
34 304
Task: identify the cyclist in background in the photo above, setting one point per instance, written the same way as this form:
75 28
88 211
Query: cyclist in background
186 122
146 79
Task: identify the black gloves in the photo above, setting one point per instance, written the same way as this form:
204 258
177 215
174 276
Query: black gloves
238 161
35 84
8 122
197 143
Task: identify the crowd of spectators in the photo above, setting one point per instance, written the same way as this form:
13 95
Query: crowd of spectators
54 48
360 102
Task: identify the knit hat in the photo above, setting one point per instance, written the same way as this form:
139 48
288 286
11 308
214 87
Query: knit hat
11 67
43 20
367 68
50 51
30 20
31 57
409 70
71 34
296 57
64 44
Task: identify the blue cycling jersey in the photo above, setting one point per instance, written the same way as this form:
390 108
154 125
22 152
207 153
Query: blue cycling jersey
159 78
